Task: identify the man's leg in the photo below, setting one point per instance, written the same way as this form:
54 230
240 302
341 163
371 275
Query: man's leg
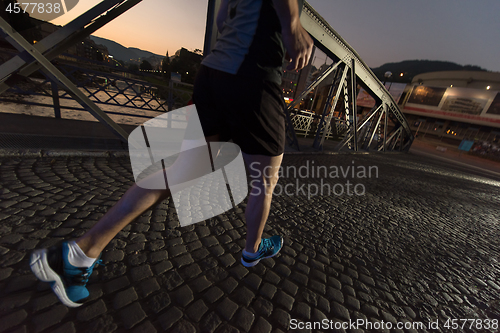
264 174
136 201
69 266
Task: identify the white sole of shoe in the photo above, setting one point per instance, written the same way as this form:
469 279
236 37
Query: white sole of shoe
40 267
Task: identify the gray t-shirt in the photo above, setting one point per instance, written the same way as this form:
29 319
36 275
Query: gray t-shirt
250 43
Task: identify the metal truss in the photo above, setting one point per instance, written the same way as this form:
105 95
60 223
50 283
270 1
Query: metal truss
37 57
384 128
106 88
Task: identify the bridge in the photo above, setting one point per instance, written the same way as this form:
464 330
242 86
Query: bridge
400 242
383 129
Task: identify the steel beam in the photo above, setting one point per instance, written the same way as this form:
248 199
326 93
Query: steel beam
54 73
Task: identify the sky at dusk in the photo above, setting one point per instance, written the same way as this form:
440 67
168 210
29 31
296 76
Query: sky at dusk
381 31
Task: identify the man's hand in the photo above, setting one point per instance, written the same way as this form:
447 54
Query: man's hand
296 40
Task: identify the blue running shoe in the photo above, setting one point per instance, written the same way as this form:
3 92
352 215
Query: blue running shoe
269 247
67 281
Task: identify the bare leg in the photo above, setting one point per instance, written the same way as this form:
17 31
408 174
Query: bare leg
264 176
133 203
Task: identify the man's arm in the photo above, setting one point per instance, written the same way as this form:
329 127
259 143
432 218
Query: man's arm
297 41
222 14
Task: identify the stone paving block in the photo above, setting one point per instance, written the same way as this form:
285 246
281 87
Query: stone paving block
302 311
253 281
348 290
200 254
145 327
302 268
270 262
224 239
339 311
5 273
183 295
27 244
239 271
148 286
317 286
290 287
282 270
361 287
263 306
287 260
140 272
229 285
200 284
90 311
23 282
303 258
184 326
310 297
159 301
158 256
365 297
11 239
317 275
346 280
213 294
13 319
227 308
190 271
162 267
49 318
272 277
336 266
211 322
113 256
15 300
284 300
209 241
132 315
323 304
244 319
268 290
194 246
116 284
227 260
124 298
44 302
39 234
156 245
352 303
369 310
68 327
243 295
183 260
197 310
299 278
282 318
262 326
382 285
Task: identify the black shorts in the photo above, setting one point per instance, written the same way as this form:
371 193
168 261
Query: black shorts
248 111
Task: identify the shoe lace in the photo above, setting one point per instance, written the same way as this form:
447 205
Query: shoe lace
83 278
267 245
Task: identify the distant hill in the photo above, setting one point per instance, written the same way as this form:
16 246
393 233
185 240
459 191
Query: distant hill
123 53
410 68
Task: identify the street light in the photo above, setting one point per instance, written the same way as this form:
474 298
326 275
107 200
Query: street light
387 75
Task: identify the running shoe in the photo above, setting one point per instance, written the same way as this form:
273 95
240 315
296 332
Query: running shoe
269 247
67 281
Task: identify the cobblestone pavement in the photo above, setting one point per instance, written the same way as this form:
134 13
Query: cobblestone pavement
418 243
